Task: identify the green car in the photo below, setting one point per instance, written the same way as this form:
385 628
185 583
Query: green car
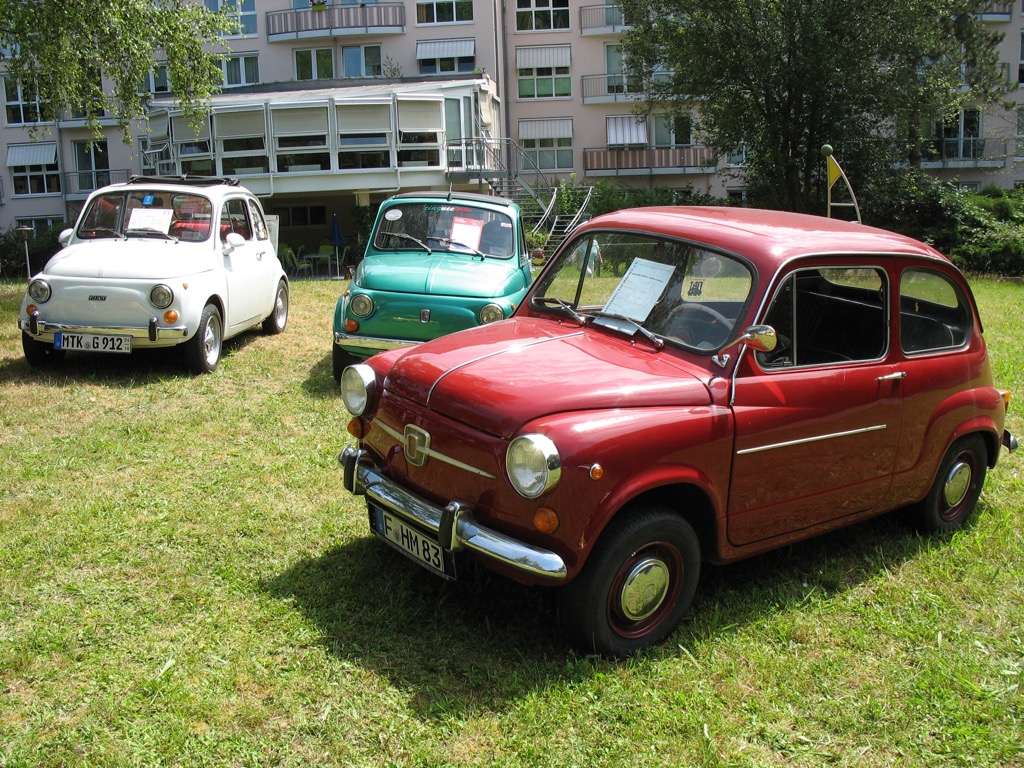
437 262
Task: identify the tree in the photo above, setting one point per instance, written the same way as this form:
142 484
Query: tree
780 78
60 54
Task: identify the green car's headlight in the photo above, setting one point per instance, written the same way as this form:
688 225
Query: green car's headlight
492 313
533 465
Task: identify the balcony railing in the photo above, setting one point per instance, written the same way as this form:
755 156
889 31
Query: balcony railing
602 20
997 12
626 161
336 20
81 183
967 152
615 87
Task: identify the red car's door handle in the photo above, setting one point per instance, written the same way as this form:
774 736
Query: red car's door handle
893 376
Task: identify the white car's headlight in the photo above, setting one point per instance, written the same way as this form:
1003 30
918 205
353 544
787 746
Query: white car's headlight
533 465
39 290
161 296
359 389
492 313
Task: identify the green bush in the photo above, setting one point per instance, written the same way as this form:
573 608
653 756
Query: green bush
12 251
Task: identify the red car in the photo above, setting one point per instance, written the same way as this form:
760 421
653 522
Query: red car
680 385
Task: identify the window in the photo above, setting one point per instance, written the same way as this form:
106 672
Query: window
302 215
420 125
314 64
672 131
444 11
541 14
440 57
157 81
243 69
625 131
243 10
34 169
543 71
234 218
361 61
41 225
1020 131
933 312
156 157
548 143
22 105
258 222
958 138
192 146
300 139
828 315
242 142
364 136
92 164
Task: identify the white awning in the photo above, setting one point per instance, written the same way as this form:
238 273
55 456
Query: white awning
625 130
183 129
555 128
231 125
419 116
445 49
364 117
300 120
538 56
32 154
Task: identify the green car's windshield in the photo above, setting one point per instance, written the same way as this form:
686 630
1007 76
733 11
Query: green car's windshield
446 226
147 213
667 290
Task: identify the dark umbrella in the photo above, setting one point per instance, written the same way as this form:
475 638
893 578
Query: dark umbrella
337 240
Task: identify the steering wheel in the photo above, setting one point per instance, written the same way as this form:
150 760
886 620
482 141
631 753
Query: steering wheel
705 327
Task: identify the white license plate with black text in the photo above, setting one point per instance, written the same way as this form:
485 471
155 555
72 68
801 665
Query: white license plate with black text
92 342
413 543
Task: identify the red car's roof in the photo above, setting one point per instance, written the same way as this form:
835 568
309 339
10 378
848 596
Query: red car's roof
764 235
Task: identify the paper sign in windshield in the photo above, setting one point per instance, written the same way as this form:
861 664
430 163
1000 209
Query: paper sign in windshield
467 231
637 293
151 218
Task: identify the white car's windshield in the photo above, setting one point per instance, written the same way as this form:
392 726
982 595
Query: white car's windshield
147 213
446 226
668 290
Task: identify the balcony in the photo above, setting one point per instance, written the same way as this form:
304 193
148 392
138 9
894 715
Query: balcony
602 20
967 152
78 184
997 12
611 88
336 21
648 161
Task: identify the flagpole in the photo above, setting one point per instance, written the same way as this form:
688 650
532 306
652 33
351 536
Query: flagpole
835 173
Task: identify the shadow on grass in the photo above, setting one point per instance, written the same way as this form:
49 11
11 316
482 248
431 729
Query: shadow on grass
142 366
472 645
319 382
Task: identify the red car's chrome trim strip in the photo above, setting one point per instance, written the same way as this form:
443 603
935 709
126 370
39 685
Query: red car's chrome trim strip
431 453
816 439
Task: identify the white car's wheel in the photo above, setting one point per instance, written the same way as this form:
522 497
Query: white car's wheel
203 350
39 353
277 320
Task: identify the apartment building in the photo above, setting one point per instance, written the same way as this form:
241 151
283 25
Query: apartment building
327 106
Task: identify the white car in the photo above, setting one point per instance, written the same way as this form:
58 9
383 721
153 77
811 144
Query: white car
158 262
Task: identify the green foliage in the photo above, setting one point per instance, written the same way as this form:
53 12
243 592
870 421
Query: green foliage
58 52
783 77
12 251
981 232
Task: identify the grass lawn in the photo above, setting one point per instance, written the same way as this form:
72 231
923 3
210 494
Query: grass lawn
183 582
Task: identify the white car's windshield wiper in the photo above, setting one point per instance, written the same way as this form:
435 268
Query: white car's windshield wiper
107 231
151 232
656 340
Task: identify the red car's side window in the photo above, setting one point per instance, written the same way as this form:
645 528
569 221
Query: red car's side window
934 313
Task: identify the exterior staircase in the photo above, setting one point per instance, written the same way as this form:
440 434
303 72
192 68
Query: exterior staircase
506 170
